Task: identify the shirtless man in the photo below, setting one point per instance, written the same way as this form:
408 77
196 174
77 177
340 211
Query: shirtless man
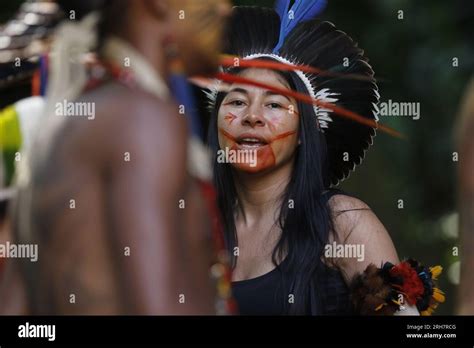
104 199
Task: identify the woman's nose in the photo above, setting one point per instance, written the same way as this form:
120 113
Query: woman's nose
254 118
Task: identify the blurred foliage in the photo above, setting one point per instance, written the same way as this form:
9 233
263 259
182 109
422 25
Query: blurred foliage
8 8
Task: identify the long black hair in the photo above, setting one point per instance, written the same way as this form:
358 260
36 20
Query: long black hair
304 228
304 217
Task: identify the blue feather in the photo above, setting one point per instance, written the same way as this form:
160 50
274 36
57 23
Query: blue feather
43 75
183 93
302 10
281 7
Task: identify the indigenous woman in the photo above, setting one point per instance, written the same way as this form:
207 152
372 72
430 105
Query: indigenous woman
299 245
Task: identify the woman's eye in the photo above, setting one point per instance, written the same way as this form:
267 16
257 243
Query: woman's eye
274 106
236 103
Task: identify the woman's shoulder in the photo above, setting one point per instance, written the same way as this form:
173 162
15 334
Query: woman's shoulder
346 210
357 227
352 217
347 214
341 201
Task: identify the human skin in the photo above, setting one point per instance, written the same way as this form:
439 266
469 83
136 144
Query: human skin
248 112
274 120
127 204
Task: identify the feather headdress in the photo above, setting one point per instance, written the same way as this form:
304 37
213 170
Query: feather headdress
291 36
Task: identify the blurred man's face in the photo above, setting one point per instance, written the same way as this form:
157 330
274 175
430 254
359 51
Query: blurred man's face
198 32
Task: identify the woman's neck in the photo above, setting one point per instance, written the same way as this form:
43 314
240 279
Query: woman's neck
259 195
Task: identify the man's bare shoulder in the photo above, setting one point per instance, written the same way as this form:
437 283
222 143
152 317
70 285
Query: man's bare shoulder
124 101
130 118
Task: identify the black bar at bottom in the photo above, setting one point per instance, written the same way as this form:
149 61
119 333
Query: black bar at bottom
134 330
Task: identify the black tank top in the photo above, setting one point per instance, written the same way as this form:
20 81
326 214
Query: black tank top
267 294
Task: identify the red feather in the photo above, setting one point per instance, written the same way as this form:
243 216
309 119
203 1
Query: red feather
307 99
232 61
412 285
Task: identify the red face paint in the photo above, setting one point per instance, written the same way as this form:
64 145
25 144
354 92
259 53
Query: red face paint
230 117
265 159
265 155
272 126
228 135
283 135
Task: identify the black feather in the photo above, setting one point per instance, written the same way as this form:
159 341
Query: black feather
255 30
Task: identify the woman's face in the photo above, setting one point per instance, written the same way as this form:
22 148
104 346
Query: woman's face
257 128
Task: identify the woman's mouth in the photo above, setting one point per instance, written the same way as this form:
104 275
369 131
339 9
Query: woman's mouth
251 141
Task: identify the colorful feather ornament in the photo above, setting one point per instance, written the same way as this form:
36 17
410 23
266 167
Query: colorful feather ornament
232 61
291 37
384 291
230 78
229 61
